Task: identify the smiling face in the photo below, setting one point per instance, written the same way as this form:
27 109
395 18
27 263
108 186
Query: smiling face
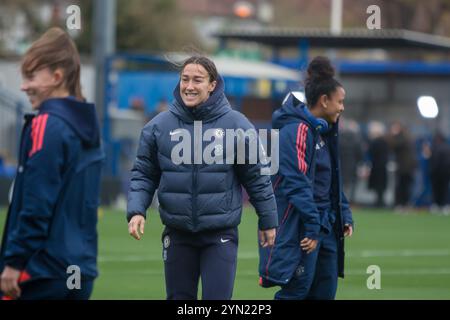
195 85
333 105
41 85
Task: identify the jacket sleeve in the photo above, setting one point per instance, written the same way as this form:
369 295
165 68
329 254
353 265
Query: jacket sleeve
346 211
42 183
296 152
257 185
145 175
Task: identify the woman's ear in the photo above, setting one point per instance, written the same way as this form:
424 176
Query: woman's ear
212 86
324 101
58 76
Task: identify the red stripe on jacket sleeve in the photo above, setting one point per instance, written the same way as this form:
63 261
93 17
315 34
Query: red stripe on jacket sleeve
42 131
33 134
37 133
302 132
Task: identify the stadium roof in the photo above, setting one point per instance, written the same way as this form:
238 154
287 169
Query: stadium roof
254 69
348 38
227 66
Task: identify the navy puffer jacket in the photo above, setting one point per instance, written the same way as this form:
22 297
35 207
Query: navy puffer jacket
193 195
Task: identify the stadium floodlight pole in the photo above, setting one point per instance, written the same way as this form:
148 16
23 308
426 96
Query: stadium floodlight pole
104 44
336 17
335 27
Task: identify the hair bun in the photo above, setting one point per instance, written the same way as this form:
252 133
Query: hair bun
320 68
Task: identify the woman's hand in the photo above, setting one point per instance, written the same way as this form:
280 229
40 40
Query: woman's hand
267 237
9 283
308 245
348 230
136 226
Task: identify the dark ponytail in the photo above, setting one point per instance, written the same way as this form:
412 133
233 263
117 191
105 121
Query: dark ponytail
320 80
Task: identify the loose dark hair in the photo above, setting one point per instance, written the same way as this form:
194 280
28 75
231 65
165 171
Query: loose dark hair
206 63
320 80
55 49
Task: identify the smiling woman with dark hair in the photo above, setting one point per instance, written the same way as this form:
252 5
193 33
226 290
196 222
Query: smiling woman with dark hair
308 254
200 204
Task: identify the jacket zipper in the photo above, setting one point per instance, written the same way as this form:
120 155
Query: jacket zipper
277 182
194 196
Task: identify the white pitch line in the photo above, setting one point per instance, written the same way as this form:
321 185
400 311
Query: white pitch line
352 272
251 255
399 253
403 272
128 258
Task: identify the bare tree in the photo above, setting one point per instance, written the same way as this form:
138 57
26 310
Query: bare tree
142 25
432 16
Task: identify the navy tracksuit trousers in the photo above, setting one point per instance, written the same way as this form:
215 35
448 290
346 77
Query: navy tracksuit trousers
316 277
210 256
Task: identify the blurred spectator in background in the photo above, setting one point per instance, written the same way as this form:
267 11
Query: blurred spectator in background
1 164
137 104
351 151
7 169
402 146
378 154
423 196
162 106
440 172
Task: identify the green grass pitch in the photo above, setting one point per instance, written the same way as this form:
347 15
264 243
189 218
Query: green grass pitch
412 251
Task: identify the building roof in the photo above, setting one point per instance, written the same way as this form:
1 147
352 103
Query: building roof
232 67
348 38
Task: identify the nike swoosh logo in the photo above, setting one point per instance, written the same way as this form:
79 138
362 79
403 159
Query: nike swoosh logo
224 240
174 132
